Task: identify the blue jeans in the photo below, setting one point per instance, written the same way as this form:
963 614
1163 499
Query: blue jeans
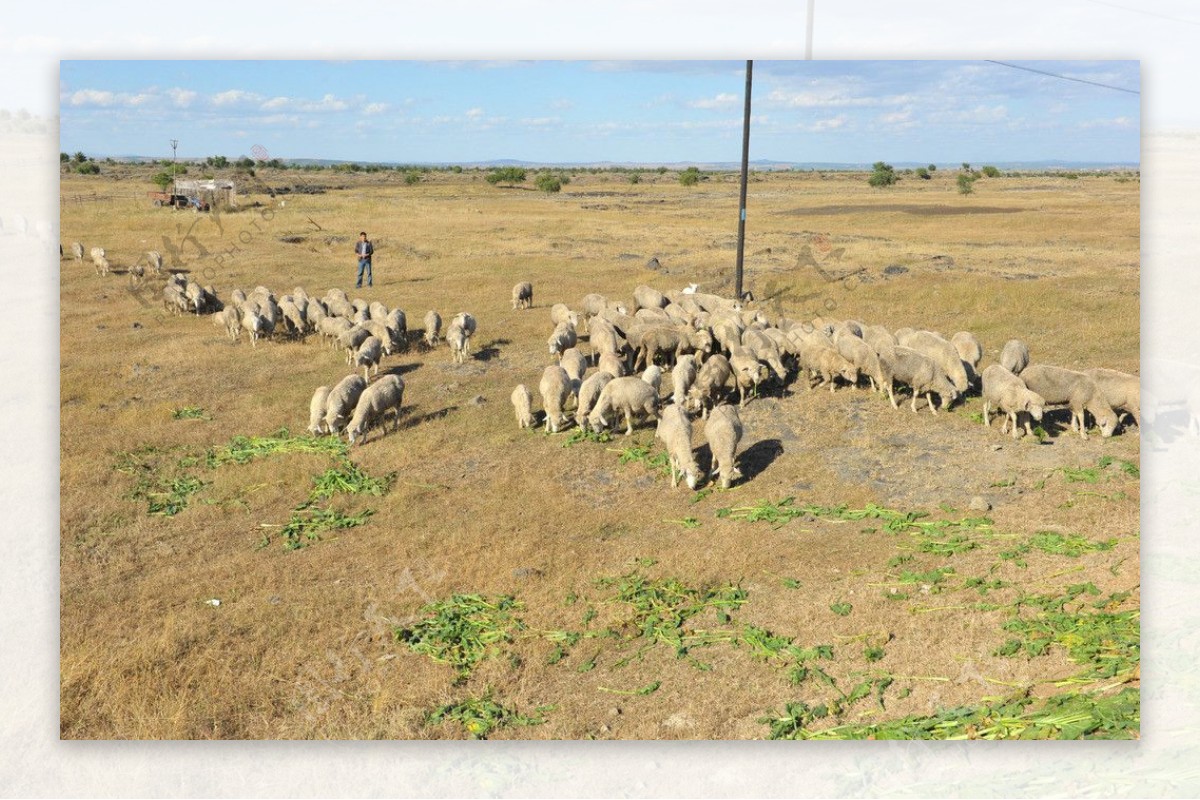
364 265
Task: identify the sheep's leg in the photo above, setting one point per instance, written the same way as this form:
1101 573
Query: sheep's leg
892 396
914 400
986 422
929 399
628 421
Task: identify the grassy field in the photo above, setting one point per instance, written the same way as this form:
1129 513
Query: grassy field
492 581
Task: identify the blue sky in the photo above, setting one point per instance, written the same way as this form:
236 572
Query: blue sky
650 111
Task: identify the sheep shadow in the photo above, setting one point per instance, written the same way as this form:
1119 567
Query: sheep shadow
402 369
490 350
412 422
755 459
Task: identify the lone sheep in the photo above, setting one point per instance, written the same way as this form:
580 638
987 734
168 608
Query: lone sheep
675 431
523 404
433 328
522 295
723 432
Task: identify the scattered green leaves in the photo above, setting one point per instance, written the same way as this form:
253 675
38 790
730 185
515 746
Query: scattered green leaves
463 630
482 715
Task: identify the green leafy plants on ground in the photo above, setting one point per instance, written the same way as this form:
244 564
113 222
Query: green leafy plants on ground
482 715
463 630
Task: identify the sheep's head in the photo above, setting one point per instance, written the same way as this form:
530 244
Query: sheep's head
1035 405
1106 419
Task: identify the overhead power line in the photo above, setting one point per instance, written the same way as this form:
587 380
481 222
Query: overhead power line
1145 12
1064 77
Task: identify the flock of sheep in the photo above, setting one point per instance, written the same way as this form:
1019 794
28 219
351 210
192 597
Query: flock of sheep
714 347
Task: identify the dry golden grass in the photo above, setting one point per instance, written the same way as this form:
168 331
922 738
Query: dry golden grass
301 645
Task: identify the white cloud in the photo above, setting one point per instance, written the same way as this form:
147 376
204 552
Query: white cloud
92 97
475 113
1118 123
833 123
540 122
275 103
722 100
182 98
375 108
235 97
562 104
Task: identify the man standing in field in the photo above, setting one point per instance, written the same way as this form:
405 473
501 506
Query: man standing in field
364 249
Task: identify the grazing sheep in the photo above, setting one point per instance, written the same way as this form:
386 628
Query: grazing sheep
237 296
653 376
865 360
522 295
555 387
77 251
682 378
1121 391
522 402
1074 389
1015 356
629 395
944 354
316 411
466 323
459 343
255 324
97 253
825 364
675 431
397 325
593 305
351 340
377 310
671 343
381 332
156 261
747 371
710 381
332 329
1009 395
293 318
231 318
880 338
341 402
137 273
574 363
383 396
368 355
589 393
563 339
764 349
613 364
723 431
560 314
969 350
922 375
645 297
433 328
602 337
102 265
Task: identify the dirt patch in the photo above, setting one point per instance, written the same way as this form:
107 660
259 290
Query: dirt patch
905 208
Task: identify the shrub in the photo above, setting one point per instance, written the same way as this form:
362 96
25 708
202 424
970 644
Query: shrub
933 167
965 183
882 175
162 180
80 157
456 169
548 183
219 162
635 178
690 176
923 173
509 175
412 177
63 158
88 168
991 172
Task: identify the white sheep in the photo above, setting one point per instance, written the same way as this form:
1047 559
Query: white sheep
1009 395
97 253
723 431
645 297
465 323
613 364
351 340
944 354
1075 390
522 295
340 404
970 350
675 431
433 328
1121 391
562 339
560 314
555 387
522 402
653 376
747 371
156 261
77 251
397 325
368 355
629 395
574 363
710 381
316 411
376 401
682 377
458 342
102 265
230 318
1015 356
921 374
589 393
866 361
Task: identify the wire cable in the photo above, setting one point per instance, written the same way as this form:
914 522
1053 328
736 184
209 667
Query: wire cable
1064 77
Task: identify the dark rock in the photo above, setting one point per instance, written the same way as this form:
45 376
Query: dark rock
979 504
527 572
653 264
136 325
894 269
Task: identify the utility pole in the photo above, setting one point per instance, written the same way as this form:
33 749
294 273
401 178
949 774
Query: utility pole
741 244
174 180
808 30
